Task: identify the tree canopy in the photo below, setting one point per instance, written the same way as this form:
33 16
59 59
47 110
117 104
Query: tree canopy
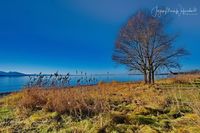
144 45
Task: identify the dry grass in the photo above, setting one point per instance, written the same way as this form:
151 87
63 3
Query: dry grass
75 102
114 106
187 98
180 79
185 92
79 101
186 78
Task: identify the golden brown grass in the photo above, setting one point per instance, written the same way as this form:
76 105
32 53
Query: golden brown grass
78 101
180 79
187 98
110 106
186 78
88 100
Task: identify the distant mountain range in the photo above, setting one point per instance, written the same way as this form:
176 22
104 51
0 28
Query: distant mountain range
12 74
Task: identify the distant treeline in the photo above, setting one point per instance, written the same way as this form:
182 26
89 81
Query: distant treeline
196 71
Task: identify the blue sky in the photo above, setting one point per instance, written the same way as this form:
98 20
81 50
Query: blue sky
69 35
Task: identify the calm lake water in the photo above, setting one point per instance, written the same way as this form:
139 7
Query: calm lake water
10 84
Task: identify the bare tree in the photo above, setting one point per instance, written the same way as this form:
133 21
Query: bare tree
144 46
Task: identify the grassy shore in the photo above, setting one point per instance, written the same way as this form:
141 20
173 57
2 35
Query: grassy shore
171 105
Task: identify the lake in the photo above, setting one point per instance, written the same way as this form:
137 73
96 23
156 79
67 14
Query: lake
15 83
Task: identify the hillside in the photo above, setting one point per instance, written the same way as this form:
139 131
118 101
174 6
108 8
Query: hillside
11 74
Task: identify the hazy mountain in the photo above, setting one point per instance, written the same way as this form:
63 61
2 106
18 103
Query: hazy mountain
2 73
11 74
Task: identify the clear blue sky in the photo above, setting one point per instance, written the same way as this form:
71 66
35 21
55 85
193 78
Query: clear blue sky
69 35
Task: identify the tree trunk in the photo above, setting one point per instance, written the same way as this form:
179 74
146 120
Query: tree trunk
145 77
153 77
149 70
149 74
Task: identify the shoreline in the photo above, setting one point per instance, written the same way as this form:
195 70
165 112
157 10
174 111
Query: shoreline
72 86
2 94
